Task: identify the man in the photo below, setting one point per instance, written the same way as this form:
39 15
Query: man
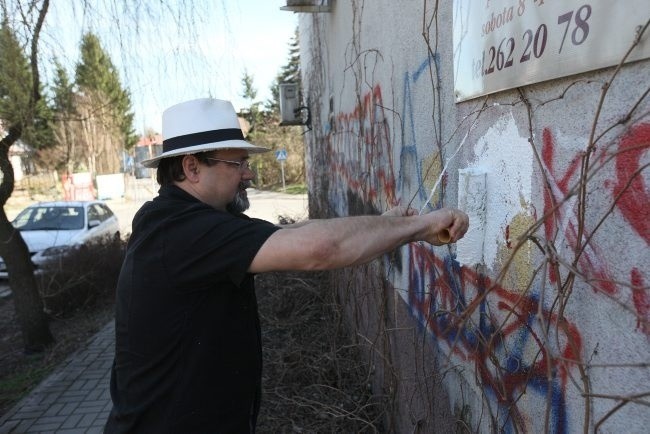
188 353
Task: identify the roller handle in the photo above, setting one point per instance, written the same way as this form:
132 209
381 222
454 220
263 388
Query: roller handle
444 236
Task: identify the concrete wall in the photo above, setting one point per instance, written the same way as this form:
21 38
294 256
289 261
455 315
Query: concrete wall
539 320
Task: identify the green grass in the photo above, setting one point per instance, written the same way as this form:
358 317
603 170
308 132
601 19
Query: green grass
295 189
15 387
290 188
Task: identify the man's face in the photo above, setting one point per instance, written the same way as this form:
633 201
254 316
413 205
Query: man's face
223 184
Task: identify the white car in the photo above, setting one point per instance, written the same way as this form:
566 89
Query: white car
50 229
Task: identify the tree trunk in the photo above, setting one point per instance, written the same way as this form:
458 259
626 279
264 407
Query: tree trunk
27 301
29 306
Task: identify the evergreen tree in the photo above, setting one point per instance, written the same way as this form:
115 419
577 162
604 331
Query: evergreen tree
250 93
63 90
289 73
65 122
104 107
16 93
252 113
15 79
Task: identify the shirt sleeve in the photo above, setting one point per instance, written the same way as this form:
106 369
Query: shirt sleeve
209 245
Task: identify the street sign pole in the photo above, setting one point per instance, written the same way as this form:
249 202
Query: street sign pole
281 156
282 168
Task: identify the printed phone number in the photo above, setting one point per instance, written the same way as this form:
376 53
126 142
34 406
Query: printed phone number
574 26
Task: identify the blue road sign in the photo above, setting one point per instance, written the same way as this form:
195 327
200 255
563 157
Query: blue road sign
281 154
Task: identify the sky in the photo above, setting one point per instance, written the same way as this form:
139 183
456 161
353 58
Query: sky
200 50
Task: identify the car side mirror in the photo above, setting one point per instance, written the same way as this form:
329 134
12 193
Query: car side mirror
93 223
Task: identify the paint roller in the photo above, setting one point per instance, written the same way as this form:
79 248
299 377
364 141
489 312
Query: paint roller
472 199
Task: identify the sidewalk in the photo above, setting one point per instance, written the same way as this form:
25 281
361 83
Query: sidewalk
75 398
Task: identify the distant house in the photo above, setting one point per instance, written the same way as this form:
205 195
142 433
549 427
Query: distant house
21 159
147 147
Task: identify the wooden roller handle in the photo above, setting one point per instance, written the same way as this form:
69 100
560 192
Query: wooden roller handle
444 236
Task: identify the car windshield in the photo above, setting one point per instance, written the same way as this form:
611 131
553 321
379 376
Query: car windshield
42 218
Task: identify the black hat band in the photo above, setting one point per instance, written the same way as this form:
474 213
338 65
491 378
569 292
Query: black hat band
202 138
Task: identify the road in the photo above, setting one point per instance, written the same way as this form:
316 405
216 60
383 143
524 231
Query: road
265 205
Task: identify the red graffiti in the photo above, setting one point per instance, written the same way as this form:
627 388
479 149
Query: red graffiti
562 218
632 199
361 154
641 301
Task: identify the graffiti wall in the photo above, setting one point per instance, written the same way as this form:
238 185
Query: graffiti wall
539 321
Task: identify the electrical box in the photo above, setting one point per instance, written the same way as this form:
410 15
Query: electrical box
290 112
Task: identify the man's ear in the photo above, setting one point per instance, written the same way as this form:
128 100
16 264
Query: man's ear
191 167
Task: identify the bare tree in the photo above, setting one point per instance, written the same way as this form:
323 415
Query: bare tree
29 306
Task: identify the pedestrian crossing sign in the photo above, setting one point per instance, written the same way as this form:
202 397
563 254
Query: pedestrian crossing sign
281 155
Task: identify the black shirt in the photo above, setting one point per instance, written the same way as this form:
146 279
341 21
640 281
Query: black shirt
188 353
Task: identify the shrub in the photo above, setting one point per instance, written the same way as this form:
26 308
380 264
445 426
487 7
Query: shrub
81 278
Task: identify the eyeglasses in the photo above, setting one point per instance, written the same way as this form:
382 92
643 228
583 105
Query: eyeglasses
242 165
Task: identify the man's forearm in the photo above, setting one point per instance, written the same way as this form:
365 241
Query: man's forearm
345 241
357 240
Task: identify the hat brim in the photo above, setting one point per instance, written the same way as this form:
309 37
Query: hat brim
152 163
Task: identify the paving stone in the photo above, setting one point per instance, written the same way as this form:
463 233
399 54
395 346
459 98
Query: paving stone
24 425
71 421
87 420
91 384
95 409
54 409
48 424
28 414
8 426
68 408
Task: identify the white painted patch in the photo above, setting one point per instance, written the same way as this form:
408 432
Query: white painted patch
508 159
472 198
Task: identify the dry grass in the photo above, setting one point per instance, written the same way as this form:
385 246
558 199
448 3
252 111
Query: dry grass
314 379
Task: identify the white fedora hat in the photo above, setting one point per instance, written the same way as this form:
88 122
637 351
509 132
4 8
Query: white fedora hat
201 125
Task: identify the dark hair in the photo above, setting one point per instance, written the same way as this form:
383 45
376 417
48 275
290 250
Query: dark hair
170 169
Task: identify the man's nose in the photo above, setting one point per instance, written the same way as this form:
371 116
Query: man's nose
248 174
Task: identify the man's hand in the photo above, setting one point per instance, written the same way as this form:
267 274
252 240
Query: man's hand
448 226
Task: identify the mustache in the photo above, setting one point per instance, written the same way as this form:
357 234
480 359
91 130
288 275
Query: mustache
240 202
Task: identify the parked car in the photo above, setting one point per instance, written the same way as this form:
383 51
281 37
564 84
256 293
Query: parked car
50 229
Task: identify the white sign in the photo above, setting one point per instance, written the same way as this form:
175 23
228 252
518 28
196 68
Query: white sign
503 44
110 186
